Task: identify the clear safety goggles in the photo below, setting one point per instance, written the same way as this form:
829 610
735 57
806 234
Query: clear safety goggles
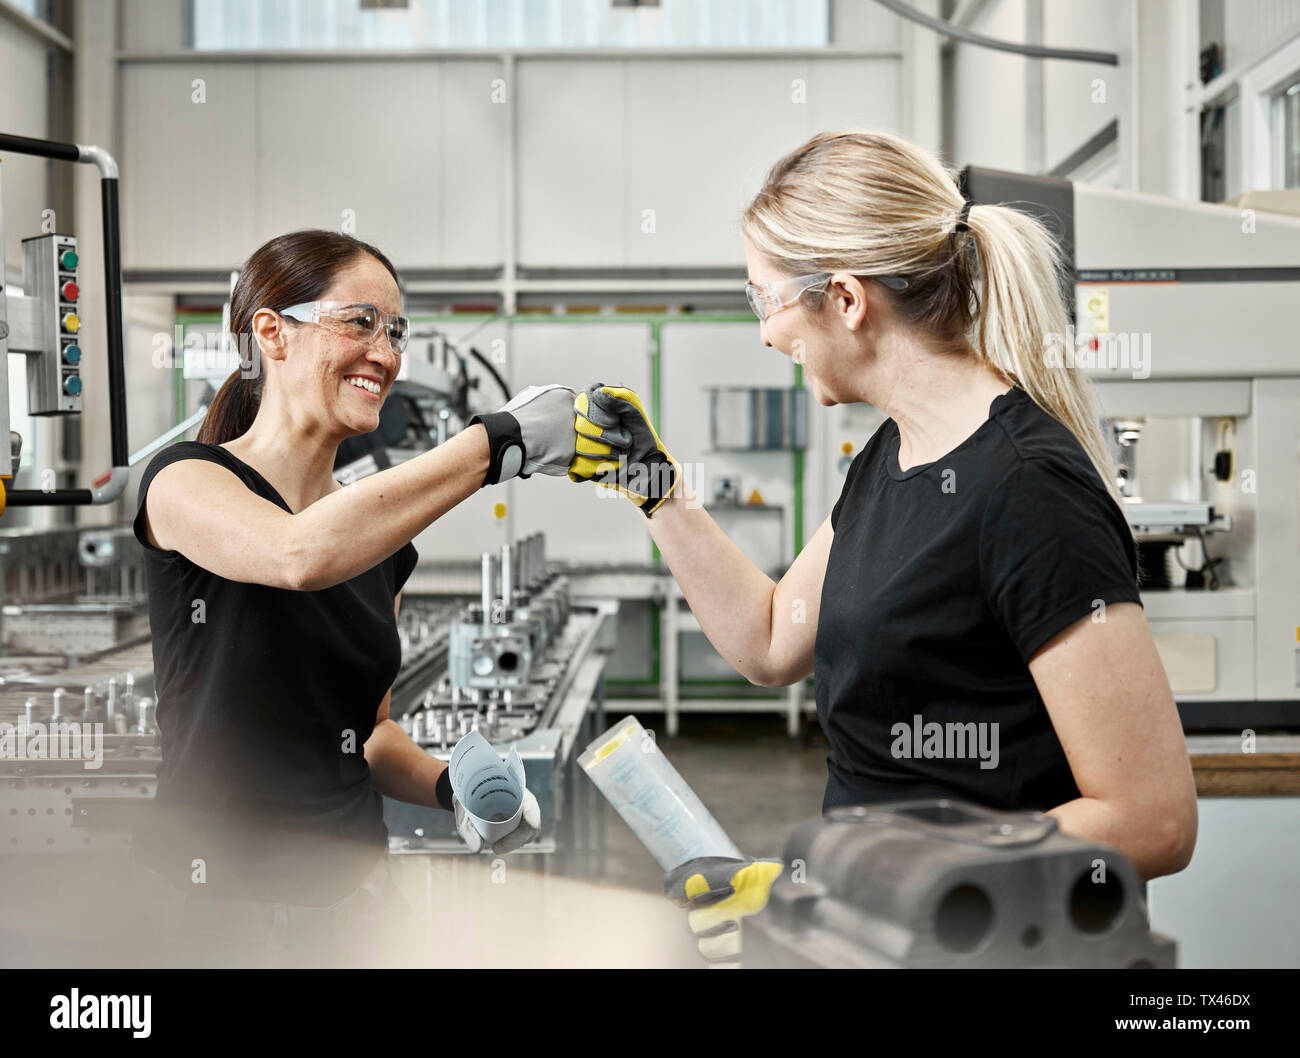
361 321
768 298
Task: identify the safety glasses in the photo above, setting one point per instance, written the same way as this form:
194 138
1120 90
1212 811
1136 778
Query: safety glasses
768 298
361 321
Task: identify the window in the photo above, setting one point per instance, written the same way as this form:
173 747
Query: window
35 8
1287 107
502 24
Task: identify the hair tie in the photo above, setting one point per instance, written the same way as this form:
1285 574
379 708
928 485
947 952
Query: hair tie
961 221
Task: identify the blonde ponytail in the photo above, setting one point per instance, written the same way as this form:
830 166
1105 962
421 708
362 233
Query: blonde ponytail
872 203
1023 321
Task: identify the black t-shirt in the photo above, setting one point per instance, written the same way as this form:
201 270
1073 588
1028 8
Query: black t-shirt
266 697
942 581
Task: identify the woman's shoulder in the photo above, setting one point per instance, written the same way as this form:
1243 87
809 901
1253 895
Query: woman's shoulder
178 450
190 450
1034 434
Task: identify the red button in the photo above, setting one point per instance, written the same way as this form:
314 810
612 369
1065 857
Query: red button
70 291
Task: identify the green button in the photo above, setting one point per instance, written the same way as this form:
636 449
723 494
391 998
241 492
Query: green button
69 258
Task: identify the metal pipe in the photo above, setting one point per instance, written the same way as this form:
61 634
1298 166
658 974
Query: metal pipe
485 587
163 438
146 716
506 572
128 695
1033 51
110 485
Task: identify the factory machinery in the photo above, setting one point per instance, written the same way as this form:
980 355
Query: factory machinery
1184 316
521 665
940 884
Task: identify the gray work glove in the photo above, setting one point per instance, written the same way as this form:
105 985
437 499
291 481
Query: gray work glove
533 434
530 825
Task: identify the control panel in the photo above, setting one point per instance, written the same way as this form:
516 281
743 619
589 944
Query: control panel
54 368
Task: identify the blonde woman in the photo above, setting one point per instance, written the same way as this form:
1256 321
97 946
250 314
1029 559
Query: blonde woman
977 568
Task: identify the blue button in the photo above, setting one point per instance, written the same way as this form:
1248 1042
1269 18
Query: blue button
72 385
72 354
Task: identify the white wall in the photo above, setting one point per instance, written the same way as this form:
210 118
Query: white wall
688 139
24 111
1153 92
219 156
989 113
1254 27
1076 106
994 124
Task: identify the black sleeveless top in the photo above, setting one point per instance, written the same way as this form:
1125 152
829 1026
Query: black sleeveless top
265 699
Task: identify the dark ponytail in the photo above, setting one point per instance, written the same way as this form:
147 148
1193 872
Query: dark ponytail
288 270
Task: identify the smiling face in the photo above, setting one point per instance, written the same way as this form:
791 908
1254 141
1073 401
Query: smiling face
828 341
334 375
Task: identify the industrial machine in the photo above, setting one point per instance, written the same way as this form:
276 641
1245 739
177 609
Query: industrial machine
87 690
945 884
45 323
523 667
1185 319
76 709
81 763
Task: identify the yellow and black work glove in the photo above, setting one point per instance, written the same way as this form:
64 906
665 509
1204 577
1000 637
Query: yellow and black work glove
618 448
720 891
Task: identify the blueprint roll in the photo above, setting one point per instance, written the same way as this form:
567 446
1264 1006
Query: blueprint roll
663 812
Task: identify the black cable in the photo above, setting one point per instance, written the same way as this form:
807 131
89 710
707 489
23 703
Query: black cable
1034 51
483 323
492 371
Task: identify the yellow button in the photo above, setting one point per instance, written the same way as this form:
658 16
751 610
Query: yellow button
72 322
846 447
498 511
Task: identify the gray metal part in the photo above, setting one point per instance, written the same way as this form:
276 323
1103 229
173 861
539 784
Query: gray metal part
62 806
112 488
470 645
878 891
547 753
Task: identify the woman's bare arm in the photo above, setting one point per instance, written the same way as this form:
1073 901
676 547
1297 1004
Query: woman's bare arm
207 514
765 630
1109 699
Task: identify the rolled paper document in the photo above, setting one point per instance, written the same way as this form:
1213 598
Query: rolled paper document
491 789
653 799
